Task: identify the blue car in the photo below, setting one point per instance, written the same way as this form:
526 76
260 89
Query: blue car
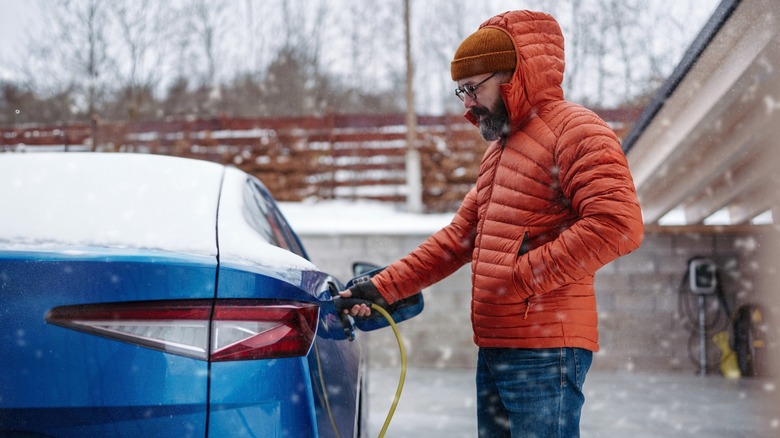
145 295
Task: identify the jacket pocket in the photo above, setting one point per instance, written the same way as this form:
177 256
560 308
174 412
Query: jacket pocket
524 245
525 296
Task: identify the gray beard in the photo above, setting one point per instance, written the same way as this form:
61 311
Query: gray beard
495 123
493 127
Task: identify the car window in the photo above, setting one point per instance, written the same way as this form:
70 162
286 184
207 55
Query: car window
264 217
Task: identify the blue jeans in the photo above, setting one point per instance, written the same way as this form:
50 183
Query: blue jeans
531 392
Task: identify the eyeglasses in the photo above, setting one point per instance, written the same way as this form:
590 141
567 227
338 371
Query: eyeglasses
471 90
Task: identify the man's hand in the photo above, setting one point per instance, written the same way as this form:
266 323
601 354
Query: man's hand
367 292
360 310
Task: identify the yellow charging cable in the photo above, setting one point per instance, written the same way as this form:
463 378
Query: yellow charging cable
325 391
401 380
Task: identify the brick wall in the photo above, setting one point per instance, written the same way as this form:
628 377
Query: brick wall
637 298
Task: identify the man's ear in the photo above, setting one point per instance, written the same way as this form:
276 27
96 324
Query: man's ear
505 76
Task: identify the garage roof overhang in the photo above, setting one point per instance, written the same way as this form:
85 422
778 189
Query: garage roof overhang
705 150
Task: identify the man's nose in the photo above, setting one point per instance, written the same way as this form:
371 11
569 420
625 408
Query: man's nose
469 102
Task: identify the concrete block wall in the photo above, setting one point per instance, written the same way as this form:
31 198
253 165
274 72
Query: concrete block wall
640 326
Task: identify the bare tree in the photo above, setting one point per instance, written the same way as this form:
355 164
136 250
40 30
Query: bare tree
70 52
315 56
575 46
92 60
208 23
141 50
295 80
20 105
625 47
360 45
445 27
615 50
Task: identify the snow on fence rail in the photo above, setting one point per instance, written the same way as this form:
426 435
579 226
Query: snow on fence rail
331 157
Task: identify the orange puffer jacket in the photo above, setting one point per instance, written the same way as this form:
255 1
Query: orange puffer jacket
553 203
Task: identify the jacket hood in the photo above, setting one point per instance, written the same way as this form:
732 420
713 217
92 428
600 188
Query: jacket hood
538 75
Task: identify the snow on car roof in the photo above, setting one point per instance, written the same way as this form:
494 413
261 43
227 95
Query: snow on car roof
238 242
108 200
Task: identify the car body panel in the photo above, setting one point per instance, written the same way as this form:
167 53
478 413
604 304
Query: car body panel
251 268
115 228
244 399
84 384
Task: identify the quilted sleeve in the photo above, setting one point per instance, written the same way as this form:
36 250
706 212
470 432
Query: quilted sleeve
440 255
595 179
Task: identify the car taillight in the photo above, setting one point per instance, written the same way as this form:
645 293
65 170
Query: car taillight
238 330
262 331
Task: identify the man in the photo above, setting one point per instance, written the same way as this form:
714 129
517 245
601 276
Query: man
553 203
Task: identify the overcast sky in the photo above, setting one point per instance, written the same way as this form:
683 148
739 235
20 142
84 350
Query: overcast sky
14 17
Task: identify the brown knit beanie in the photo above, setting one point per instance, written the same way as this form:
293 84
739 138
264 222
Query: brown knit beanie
487 50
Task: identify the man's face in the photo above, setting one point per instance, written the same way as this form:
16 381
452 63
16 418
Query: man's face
493 120
486 105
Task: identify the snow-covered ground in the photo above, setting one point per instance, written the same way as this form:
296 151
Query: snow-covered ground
442 403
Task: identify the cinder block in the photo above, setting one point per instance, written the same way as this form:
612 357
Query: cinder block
605 302
694 244
637 262
383 250
744 245
634 302
611 282
642 282
676 263
656 243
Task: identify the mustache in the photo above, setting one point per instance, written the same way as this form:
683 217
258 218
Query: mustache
479 111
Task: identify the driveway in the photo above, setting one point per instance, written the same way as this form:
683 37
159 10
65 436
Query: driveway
441 403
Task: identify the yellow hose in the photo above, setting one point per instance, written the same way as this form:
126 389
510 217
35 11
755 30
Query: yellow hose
325 392
401 380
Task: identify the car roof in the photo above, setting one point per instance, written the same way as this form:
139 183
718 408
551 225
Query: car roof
238 242
109 200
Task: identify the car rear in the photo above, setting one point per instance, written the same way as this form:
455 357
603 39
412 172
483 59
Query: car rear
101 230
154 296
62 382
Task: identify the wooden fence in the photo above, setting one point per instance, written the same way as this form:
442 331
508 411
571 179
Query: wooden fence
332 157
